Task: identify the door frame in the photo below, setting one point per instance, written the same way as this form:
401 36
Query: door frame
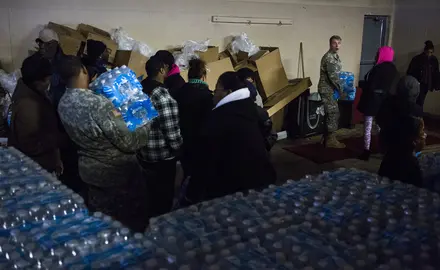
385 37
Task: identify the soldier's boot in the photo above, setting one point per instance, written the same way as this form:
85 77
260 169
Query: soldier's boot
330 141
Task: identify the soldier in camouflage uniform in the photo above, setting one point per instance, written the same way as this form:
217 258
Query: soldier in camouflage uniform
328 82
107 160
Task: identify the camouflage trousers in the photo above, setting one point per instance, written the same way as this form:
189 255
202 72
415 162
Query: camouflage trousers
331 111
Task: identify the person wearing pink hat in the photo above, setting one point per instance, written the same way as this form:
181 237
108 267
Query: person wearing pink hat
380 81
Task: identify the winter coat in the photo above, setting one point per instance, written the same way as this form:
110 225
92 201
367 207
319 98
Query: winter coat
379 82
426 71
232 155
402 133
195 104
34 126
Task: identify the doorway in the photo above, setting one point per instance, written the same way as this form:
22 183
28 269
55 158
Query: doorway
375 35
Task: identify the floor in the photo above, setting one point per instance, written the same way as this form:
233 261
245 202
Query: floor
291 166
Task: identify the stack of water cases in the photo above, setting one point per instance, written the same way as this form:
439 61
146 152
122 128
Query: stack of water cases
346 219
45 225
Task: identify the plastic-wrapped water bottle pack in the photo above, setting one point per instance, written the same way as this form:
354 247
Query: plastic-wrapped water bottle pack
29 195
121 86
346 219
45 225
347 82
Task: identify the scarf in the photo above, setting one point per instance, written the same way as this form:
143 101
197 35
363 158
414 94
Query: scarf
197 81
174 70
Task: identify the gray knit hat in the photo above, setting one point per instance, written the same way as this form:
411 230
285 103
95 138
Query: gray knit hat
408 88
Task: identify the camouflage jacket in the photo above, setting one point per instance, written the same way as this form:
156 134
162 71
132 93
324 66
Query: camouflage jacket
106 146
329 73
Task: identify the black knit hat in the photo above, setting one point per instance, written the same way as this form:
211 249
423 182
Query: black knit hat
35 68
95 48
429 45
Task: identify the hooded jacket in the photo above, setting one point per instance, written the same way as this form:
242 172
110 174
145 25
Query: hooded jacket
402 133
231 156
380 81
400 119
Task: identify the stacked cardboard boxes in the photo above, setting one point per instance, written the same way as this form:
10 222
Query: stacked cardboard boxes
71 41
272 81
92 33
214 66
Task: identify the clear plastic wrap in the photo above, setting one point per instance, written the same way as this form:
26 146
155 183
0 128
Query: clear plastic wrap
143 49
243 43
9 81
347 82
121 86
188 52
125 42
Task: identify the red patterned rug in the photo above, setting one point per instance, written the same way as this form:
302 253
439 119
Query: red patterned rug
354 147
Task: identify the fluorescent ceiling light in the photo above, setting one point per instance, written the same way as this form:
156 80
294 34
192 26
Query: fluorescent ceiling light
251 21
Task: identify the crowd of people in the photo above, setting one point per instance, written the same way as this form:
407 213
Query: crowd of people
395 102
222 137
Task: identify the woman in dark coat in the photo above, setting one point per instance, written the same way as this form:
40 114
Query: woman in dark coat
232 155
173 81
381 79
402 133
424 67
195 104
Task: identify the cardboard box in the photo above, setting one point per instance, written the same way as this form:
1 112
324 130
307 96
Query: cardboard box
280 99
93 33
71 41
134 60
211 55
215 69
85 29
112 47
270 73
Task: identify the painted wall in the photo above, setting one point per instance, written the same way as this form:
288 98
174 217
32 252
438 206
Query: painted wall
162 23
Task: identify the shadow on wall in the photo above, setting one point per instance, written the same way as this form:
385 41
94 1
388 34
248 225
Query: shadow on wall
402 61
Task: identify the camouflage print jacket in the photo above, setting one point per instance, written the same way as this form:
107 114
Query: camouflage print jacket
106 146
329 73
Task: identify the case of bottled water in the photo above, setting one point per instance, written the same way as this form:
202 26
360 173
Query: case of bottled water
430 167
347 82
45 225
121 86
345 219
